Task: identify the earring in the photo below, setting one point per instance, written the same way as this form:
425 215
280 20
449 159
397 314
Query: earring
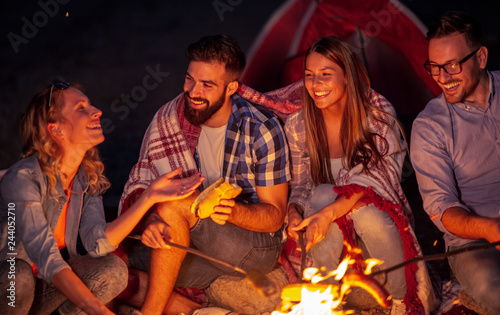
58 133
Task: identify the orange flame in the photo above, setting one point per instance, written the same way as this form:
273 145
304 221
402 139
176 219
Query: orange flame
320 298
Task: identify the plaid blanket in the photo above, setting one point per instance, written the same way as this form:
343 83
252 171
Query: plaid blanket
170 142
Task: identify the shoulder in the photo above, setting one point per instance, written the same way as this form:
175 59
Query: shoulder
432 126
295 121
244 110
295 118
171 107
436 113
23 176
25 167
379 102
496 75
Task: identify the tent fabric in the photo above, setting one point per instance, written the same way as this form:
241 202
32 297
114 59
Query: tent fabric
384 33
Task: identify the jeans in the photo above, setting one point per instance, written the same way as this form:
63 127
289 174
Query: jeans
105 276
478 272
242 248
374 227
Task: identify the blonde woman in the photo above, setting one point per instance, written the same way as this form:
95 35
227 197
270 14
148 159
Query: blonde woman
347 157
52 214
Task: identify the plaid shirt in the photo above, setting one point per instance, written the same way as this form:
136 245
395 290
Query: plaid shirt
256 151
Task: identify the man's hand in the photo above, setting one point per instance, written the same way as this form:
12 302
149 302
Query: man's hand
494 231
156 233
222 212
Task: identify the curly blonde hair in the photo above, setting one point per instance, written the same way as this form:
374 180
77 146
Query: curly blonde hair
38 140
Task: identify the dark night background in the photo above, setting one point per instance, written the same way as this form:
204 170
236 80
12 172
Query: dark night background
108 47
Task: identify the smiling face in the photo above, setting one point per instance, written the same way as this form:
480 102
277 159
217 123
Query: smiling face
325 82
205 93
457 87
79 127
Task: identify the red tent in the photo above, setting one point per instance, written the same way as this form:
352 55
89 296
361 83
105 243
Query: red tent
387 36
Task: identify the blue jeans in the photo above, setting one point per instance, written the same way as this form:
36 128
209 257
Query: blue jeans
374 227
105 276
242 248
478 272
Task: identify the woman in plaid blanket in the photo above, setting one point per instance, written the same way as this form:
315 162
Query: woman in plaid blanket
347 156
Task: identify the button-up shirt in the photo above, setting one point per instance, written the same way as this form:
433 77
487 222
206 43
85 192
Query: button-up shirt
255 151
455 150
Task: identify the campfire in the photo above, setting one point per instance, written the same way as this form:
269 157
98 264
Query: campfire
312 297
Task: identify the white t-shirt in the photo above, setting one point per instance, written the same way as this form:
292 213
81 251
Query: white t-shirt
336 165
210 150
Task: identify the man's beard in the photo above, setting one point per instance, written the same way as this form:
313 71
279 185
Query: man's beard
200 116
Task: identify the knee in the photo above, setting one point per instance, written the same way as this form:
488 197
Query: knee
109 272
487 294
369 218
116 272
177 207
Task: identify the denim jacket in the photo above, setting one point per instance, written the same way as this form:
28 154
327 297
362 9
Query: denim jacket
29 215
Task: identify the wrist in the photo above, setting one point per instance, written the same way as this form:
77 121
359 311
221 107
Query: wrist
94 306
147 198
331 212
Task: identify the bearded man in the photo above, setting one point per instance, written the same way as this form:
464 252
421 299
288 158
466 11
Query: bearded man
212 130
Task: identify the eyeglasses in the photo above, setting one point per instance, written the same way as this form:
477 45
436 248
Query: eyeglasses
452 67
58 85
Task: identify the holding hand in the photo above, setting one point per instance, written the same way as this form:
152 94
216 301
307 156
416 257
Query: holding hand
156 233
216 201
294 219
222 212
317 226
494 231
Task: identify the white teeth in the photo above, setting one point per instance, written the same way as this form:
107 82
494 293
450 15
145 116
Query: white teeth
451 85
320 93
94 126
197 102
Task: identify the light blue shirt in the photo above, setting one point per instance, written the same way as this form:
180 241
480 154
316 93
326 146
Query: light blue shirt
24 196
455 150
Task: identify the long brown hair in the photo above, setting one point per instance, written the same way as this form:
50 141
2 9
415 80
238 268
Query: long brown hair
37 139
357 141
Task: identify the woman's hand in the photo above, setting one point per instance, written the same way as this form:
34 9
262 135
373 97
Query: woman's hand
165 188
294 219
319 223
317 226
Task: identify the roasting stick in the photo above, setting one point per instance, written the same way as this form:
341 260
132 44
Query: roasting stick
437 256
303 253
259 280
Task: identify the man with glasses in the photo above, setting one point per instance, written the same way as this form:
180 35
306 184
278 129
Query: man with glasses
455 150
